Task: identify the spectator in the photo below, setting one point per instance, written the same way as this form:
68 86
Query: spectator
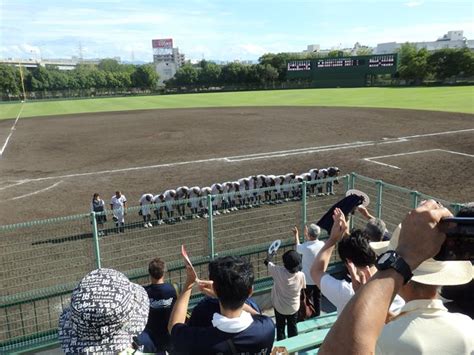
461 296
288 281
118 204
424 326
98 206
234 330
309 249
145 201
358 257
204 311
162 297
375 229
107 311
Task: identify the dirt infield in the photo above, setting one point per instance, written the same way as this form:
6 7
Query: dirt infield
52 165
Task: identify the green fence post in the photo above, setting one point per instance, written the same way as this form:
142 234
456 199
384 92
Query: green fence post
210 227
352 181
414 198
378 206
304 216
95 238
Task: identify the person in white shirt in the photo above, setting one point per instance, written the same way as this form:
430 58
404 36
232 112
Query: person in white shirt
182 195
296 189
252 190
313 175
309 250
159 201
234 195
145 201
170 197
118 204
243 192
359 258
288 281
194 194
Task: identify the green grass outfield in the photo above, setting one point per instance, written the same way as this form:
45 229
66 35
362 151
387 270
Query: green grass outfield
452 99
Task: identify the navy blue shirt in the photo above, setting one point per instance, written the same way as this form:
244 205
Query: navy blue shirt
162 298
203 312
256 339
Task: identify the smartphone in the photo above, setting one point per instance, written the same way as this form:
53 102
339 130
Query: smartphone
459 244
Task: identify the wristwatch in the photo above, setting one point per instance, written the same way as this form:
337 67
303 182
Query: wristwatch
391 259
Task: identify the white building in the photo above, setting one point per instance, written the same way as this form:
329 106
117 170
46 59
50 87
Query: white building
453 39
166 59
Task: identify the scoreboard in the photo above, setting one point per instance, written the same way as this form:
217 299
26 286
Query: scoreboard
342 71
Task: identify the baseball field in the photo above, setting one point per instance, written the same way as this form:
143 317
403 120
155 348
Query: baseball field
51 165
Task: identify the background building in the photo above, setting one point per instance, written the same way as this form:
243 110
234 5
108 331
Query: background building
166 59
453 39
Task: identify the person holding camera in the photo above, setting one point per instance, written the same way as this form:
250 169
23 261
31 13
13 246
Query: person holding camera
424 326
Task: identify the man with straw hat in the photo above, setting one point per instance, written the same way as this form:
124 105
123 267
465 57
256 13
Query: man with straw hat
424 326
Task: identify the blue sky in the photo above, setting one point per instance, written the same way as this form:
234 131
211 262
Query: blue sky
222 30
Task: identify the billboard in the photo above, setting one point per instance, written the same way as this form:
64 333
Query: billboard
163 43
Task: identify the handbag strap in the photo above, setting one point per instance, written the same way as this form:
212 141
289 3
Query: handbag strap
231 346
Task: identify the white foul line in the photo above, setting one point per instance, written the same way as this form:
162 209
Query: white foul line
372 159
267 155
36 192
11 131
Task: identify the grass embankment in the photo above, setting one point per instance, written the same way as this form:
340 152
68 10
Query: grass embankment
451 99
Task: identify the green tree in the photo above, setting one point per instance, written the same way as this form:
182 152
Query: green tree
9 80
209 74
110 65
145 77
413 63
364 51
186 75
279 62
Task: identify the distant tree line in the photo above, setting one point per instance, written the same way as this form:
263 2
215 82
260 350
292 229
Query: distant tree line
416 67
107 78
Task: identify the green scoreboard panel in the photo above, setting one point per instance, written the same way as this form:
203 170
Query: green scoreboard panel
342 71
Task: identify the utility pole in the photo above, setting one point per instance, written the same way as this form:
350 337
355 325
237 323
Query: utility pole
22 82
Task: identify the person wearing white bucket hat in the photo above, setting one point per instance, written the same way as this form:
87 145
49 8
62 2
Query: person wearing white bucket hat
424 326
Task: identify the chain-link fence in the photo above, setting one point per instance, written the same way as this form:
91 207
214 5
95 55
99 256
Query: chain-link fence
42 261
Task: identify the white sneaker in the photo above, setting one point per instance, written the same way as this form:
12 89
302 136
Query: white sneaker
160 222
149 224
217 213
145 225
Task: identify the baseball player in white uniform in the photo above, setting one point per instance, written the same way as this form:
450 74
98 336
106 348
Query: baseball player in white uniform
118 204
313 176
205 191
170 196
260 184
159 201
145 201
287 181
322 174
270 186
333 172
297 187
194 194
243 192
216 191
182 195
252 190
